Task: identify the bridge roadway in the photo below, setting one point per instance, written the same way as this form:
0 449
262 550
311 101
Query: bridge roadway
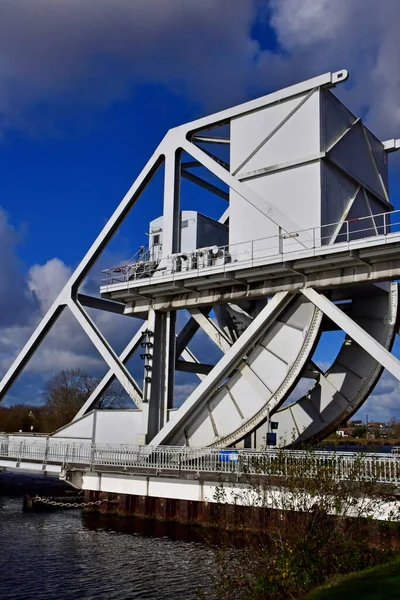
47 455
189 475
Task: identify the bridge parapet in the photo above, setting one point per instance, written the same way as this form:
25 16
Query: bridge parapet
48 453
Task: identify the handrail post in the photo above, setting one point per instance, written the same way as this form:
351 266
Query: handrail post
384 223
46 450
92 453
20 451
65 454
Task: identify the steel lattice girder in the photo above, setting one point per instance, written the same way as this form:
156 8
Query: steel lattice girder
266 358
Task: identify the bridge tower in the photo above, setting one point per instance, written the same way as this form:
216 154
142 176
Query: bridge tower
308 243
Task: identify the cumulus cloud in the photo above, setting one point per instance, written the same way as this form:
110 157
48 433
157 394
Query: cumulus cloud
384 402
24 300
46 281
93 52
72 55
360 35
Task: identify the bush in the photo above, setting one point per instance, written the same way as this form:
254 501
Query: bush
289 525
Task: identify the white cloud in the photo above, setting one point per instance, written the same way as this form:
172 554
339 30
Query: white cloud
83 56
384 402
46 281
361 35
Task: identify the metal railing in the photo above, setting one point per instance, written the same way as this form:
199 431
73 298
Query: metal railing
277 248
381 468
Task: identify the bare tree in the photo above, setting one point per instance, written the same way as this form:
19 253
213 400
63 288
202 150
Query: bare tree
68 390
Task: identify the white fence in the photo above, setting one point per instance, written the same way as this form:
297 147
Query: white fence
277 248
382 468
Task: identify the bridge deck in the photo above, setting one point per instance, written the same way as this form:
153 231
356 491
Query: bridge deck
47 455
372 258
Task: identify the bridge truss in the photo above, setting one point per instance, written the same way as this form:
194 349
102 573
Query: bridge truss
309 243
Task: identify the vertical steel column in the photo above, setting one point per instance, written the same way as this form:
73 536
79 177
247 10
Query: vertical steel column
171 210
163 371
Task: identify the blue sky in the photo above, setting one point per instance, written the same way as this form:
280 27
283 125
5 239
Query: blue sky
87 90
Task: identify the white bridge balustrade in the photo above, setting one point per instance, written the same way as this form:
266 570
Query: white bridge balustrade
47 453
351 234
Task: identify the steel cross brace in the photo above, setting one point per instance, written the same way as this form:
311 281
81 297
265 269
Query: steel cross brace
168 150
109 376
222 368
357 333
108 354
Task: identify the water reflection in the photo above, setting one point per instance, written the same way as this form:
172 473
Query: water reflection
68 555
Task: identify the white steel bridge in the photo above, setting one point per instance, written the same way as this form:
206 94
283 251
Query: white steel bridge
308 242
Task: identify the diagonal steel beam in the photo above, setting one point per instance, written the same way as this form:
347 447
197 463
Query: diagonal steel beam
225 116
211 329
274 131
187 332
32 345
188 356
211 140
105 350
109 376
205 184
259 203
357 333
222 369
118 216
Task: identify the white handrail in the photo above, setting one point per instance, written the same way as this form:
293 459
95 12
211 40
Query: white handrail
379 467
279 246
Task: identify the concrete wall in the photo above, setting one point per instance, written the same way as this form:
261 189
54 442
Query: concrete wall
104 427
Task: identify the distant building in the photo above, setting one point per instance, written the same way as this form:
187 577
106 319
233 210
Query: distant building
356 423
377 425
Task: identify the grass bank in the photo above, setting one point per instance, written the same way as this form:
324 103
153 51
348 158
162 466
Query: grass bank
378 583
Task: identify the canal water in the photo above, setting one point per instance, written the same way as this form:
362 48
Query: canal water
71 555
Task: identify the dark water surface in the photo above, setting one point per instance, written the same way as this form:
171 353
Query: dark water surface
68 555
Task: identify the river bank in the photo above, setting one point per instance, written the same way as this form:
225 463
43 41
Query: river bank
378 583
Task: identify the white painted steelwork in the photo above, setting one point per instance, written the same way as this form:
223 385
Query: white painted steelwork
309 214
342 388
278 249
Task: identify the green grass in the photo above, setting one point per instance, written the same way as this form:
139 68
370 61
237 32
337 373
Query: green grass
378 583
